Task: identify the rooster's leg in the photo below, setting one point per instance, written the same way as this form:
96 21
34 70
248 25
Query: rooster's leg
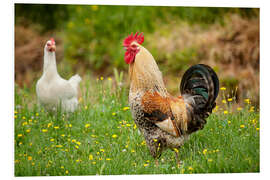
156 161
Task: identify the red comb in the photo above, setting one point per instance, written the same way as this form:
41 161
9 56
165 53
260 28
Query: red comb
52 40
139 38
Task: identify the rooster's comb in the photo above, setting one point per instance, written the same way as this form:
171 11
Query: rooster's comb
52 40
139 38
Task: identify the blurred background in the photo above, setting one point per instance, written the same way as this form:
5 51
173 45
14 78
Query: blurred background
89 42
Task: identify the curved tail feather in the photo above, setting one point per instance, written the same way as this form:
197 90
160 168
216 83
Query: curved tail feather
199 88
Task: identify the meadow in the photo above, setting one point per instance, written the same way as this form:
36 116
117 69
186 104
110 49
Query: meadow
100 138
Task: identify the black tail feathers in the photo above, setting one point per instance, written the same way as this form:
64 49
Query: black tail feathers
199 87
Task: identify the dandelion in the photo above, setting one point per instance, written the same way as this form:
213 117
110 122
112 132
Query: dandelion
229 122
230 99
66 171
114 136
56 127
94 7
98 153
49 125
52 140
176 150
108 159
78 142
125 108
155 140
90 157
85 107
257 129
145 165
251 109
225 112
63 135
15 116
17 161
109 78
134 127
73 140
62 167
87 126
100 158
29 158
44 130
93 136
58 146
223 88
30 144
113 113
247 101
224 101
132 150
101 78
94 162
239 109
77 147
143 143
37 114
190 168
242 126
102 150
24 123
210 160
15 112
204 151
20 135
70 125
128 125
23 117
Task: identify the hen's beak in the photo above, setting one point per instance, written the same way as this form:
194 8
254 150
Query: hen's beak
52 48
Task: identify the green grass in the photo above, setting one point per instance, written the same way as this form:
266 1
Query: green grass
101 138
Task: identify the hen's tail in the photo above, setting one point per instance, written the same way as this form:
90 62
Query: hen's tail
199 88
75 80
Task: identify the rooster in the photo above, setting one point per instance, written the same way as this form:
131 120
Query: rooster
52 90
166 121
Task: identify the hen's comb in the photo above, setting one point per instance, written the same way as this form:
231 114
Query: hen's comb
52 40
139 38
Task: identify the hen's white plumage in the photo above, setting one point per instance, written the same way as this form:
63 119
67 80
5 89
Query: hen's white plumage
52 90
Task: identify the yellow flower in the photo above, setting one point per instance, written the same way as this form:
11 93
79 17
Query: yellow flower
63 135
223 88
224 101
30 144
230 99
59 146
229 122
100 158
93 136
102 150
77 147
190 168
56 127
44 130
247 101
155 140
70 125
242 126
15 116
85 107
52 140
113 113
37 114
24 123
257 129
109 78
225 112
66 171
29 158
134 127
79 143
143 143
23 117
204 151
132 150
19 135
239 109
87 126
125 108
98 153
49 125
94 162
210 160
73 140
90 157
62 167
145 165
94 7
114 136
101 78
176 150
15 112
128 125
108 159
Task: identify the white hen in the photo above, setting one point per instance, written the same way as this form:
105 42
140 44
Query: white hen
52 90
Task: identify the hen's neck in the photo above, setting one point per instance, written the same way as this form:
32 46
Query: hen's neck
49 66
145 74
